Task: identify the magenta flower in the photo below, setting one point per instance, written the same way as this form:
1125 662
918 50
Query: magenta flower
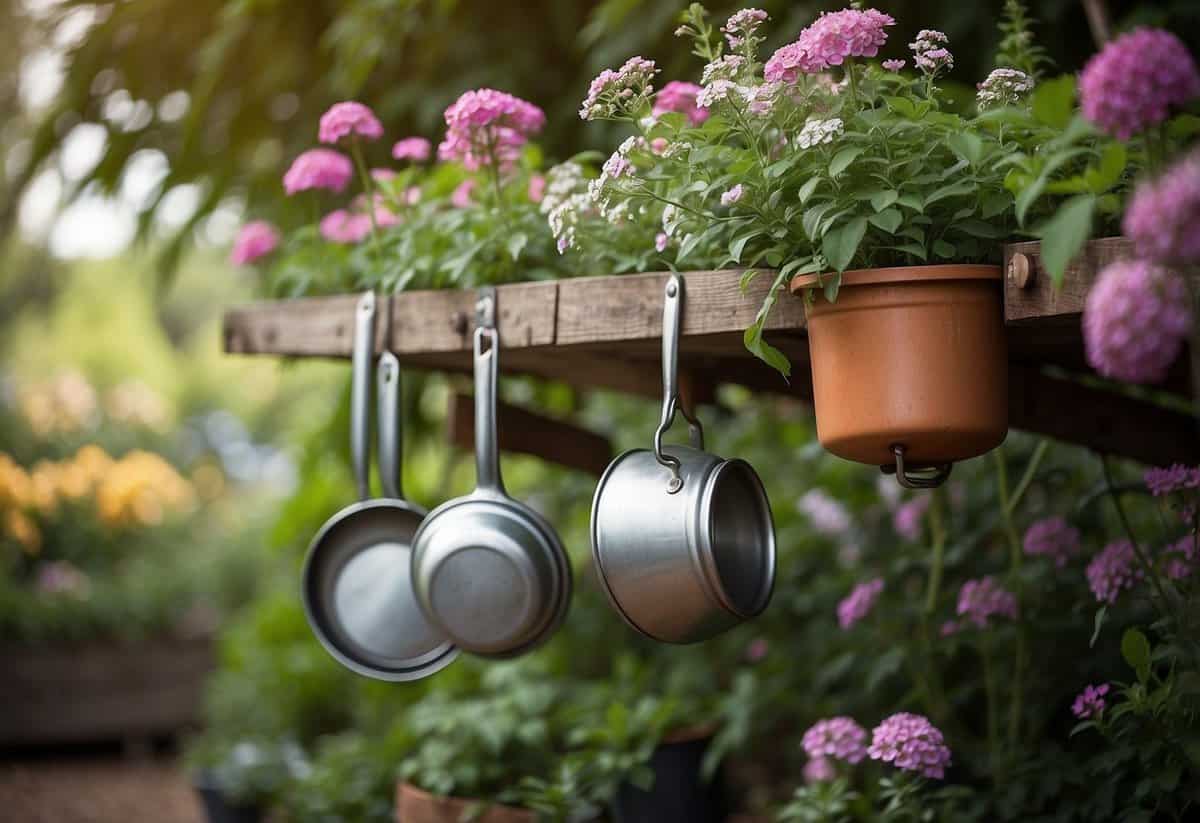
980 600
819 770
460 198
1134 81
757 650
930 54
1053 538
827 515
1135 321
1114 570
1177 477
1180 557
829 41
660 241
256 240
741 25
342 226
318 169
894 65
680 97
416 149
837 737
1090 702
910 742
412 195
908 518
347 118
858 604
486 127
620 92
383 175
61 577
537 188
1163 218
732 196
948 628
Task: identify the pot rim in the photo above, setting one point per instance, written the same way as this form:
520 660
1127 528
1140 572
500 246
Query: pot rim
902 274
416 792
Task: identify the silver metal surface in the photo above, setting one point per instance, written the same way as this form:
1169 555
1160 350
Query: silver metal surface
488 570
683 540
357 591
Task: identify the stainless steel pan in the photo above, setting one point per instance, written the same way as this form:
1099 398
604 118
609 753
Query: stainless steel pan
683 540
356 587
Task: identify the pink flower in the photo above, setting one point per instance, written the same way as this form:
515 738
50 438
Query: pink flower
741 25
1177 477
1113 570
659 145
349 118
61 577
1181 556
1134 81
1090 702
948 628
620 92
318 169
834 37
256 240
384 216
757 650
819 770
837 737
1135 321
826 514
858 604
486 127
1163 218
680 97
910 742
343 227
382 175
460 198
979 600
1053 537
732 196
660 242
412 195
537 188
908 518
929 52
894 65
417 149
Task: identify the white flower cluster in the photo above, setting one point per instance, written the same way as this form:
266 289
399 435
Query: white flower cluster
676 148
566 201
818 132
1003 87
615 167
723 68
562 181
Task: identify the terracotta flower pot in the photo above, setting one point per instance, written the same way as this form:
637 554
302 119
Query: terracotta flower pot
913 357
414 805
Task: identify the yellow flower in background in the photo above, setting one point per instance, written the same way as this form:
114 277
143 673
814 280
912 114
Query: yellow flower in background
18 526
136 403
94 462
64 403
141 488
16 489
44 484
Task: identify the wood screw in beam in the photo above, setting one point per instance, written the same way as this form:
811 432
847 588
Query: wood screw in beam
1020 273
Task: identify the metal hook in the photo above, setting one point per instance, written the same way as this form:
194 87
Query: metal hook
672 320
917 477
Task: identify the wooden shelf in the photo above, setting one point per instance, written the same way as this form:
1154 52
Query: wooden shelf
604 332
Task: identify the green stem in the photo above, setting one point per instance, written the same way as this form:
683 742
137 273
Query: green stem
1143 558
993 714
938 528
853 84
369 188
1008 505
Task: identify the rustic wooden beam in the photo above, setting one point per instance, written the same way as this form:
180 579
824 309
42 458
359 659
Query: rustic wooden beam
523 431
1030 294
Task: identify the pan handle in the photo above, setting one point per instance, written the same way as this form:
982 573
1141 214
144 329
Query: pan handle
673 298
360 392
487 354
387 385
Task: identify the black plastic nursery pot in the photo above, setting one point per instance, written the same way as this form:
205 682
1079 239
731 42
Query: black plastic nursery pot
219 808
679 792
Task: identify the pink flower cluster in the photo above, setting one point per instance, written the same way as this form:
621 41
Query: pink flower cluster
894 65
1180 557
980 600
1090 702
827 515
1163 218
858 604
342 226
732 196
485 127
910 742
680 97
908 517
829 41
1174 478
742 25
1113 570
416 149
619 92
819 770
837 737
61 577
1134 81
318 169
256 240
930 53
1053 538
1135 321
348 118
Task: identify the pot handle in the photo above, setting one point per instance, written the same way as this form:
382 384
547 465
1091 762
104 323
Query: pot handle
673 297
360 392
916 477
387 385
487 458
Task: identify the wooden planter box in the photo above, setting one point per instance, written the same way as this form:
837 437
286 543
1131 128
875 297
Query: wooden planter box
102 691
604 332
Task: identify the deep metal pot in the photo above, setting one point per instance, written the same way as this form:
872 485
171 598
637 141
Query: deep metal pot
489 571
356 588
682 539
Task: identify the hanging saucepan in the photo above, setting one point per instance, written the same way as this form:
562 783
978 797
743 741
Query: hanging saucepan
683 540
489 571
356 587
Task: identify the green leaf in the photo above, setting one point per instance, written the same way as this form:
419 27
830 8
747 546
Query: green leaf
1135 648
1183 126
812 218
738 245
516 244
1107 173
913 201
917 250
889 220
901 105
1064 234
840 244
806 191
1053 101
943 249
967 145
746 279
956 189
773 357
843 159
882 199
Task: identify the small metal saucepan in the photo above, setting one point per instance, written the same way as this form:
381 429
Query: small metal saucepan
683 540
489 571
356 587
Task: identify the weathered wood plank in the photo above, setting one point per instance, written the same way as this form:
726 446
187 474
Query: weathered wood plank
444 321
1039 300
305 327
